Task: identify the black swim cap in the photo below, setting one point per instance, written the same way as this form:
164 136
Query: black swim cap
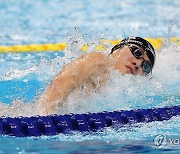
142 43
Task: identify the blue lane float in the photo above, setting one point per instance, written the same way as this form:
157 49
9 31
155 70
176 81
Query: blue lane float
56 124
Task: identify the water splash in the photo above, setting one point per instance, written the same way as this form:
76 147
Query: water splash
18 108
16 73
172 24
122 92
132 92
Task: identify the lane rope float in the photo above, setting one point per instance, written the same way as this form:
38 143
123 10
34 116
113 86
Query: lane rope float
89 122
103 45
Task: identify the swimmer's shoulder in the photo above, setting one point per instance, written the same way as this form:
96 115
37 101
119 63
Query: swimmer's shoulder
94 56
87 61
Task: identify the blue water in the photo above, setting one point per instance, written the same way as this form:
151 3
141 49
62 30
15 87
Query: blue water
49 21
25 76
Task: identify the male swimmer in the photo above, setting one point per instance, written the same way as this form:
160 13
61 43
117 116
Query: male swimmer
90 71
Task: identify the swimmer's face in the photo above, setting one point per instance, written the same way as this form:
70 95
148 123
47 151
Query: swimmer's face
127 63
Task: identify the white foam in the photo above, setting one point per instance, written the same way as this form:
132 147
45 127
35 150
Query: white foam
16 73
121 92
18 108
128 91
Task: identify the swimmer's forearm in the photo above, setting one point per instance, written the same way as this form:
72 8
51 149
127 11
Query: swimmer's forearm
56 94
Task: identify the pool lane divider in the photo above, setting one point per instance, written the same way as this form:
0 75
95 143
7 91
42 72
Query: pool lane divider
103 45
88 122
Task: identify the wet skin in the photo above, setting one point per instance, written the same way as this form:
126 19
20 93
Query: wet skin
89 70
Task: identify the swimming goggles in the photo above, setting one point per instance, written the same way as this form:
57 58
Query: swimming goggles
137 53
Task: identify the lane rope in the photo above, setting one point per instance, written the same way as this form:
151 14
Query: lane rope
103 45
89 122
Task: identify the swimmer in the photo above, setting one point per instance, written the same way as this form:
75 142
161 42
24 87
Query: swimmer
90 71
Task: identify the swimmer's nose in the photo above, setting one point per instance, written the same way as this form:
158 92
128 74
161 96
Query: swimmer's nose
137 64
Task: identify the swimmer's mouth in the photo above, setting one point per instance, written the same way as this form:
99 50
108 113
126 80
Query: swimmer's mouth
130 68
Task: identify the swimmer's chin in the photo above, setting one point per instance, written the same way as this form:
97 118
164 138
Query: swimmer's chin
129 73
126 72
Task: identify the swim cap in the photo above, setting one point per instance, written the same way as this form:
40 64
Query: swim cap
142 43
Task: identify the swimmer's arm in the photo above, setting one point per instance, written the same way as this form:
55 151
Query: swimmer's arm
72 76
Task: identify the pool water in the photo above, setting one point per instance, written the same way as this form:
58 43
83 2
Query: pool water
24 76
